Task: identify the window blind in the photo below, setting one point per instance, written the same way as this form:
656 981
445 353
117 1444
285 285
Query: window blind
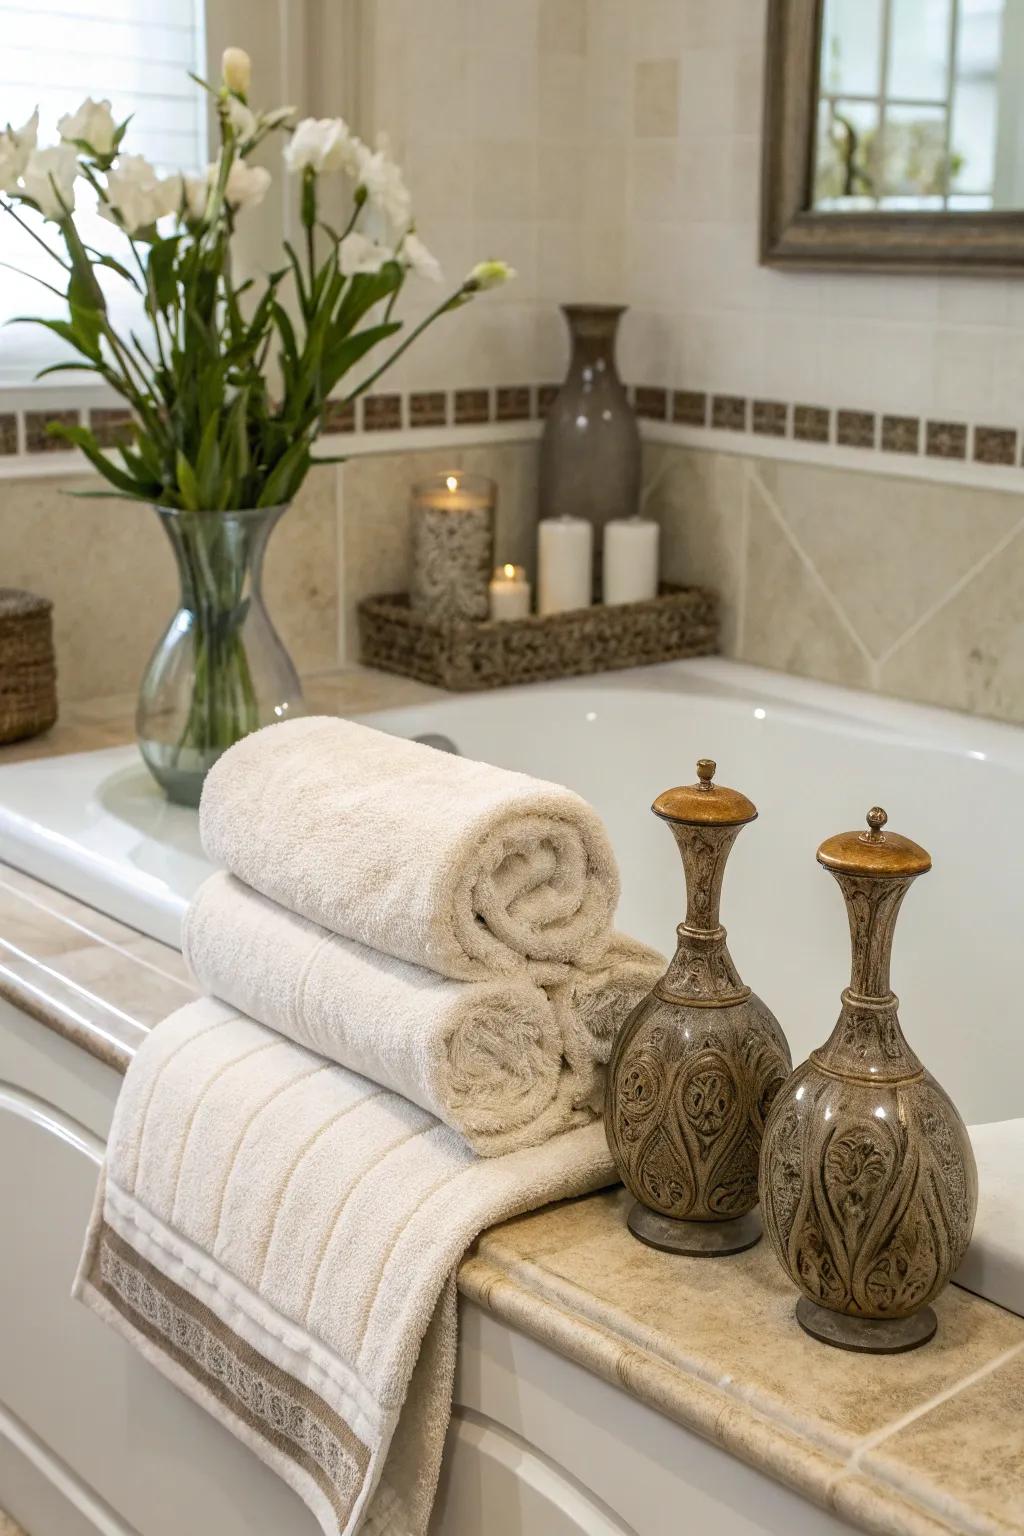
136 54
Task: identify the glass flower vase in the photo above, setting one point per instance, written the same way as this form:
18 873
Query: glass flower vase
220 669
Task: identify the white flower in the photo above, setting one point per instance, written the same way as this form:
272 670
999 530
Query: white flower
92 124
137 194
489 274
49 180
423 262
236 70
242 118
246 184
358 254
323 144
16 144
276 117
385 186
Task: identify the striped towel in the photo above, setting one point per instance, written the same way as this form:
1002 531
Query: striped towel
280 1237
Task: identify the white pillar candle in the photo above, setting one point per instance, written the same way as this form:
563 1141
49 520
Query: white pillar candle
630 560
510 593
565 553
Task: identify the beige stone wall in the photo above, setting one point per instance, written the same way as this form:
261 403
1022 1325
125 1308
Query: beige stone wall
108 568
906 587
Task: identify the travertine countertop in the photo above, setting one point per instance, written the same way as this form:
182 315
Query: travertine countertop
925 1444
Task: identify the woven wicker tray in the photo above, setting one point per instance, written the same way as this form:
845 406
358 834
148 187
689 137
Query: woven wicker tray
680 621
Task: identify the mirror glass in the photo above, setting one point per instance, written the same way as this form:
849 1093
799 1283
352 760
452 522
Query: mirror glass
920 106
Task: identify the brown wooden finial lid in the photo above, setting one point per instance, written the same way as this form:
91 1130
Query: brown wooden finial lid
705 803
874 852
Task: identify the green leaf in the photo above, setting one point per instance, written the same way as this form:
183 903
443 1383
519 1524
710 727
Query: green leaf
160 272
187 484
347 352
83 438
286 476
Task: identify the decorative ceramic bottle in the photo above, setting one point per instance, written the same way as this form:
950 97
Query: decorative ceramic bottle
698 1062
868 1182
590 451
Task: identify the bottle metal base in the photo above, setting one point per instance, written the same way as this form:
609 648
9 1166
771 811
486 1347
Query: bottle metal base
866 1335
695 1239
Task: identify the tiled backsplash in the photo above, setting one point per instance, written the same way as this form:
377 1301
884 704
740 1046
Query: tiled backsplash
441 408
820 569
821 572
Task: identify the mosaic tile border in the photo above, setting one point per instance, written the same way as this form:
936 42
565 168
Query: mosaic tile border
922 437
918 436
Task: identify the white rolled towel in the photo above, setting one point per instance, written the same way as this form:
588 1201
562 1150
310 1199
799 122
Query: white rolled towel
470 870
500 1061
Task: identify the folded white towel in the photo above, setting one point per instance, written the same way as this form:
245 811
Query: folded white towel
993 1266
466 869
501 1061
280 1238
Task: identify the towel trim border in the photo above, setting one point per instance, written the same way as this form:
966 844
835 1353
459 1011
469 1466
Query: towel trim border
268 1400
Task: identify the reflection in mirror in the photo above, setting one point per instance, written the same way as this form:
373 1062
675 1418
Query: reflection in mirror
920 106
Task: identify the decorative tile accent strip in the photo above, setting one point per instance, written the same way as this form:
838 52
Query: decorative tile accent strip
946 440
513 403
339 416
651 402
995 445
891 433
382 413
690 407
472 406
428 409
769 418
38 440
855 429
901 434
729 412
811 423
112 428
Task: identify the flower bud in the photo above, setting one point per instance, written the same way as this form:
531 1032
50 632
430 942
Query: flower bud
236 70
489 274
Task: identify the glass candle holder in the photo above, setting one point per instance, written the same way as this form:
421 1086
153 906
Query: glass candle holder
452 546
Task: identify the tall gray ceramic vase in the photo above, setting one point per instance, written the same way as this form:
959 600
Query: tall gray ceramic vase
590 452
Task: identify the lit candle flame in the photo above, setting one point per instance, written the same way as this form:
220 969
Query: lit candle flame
510 571
452 483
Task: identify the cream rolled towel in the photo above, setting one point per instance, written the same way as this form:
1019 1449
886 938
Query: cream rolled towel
469 870
280 1238
499 1060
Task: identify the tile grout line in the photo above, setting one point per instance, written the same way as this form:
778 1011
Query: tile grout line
961 583
812 569
878 1436
741 591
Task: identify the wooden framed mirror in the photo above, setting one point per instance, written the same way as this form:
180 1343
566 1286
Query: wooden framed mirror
894 136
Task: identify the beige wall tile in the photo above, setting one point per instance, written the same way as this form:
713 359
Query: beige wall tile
970 653
656 98
788 621
698 500
887 548
563 26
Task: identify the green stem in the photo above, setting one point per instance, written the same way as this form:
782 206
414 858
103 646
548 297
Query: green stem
435 314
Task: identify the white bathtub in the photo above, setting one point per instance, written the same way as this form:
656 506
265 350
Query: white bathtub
812 757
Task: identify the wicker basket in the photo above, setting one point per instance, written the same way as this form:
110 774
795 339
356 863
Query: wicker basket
28 671
681 621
